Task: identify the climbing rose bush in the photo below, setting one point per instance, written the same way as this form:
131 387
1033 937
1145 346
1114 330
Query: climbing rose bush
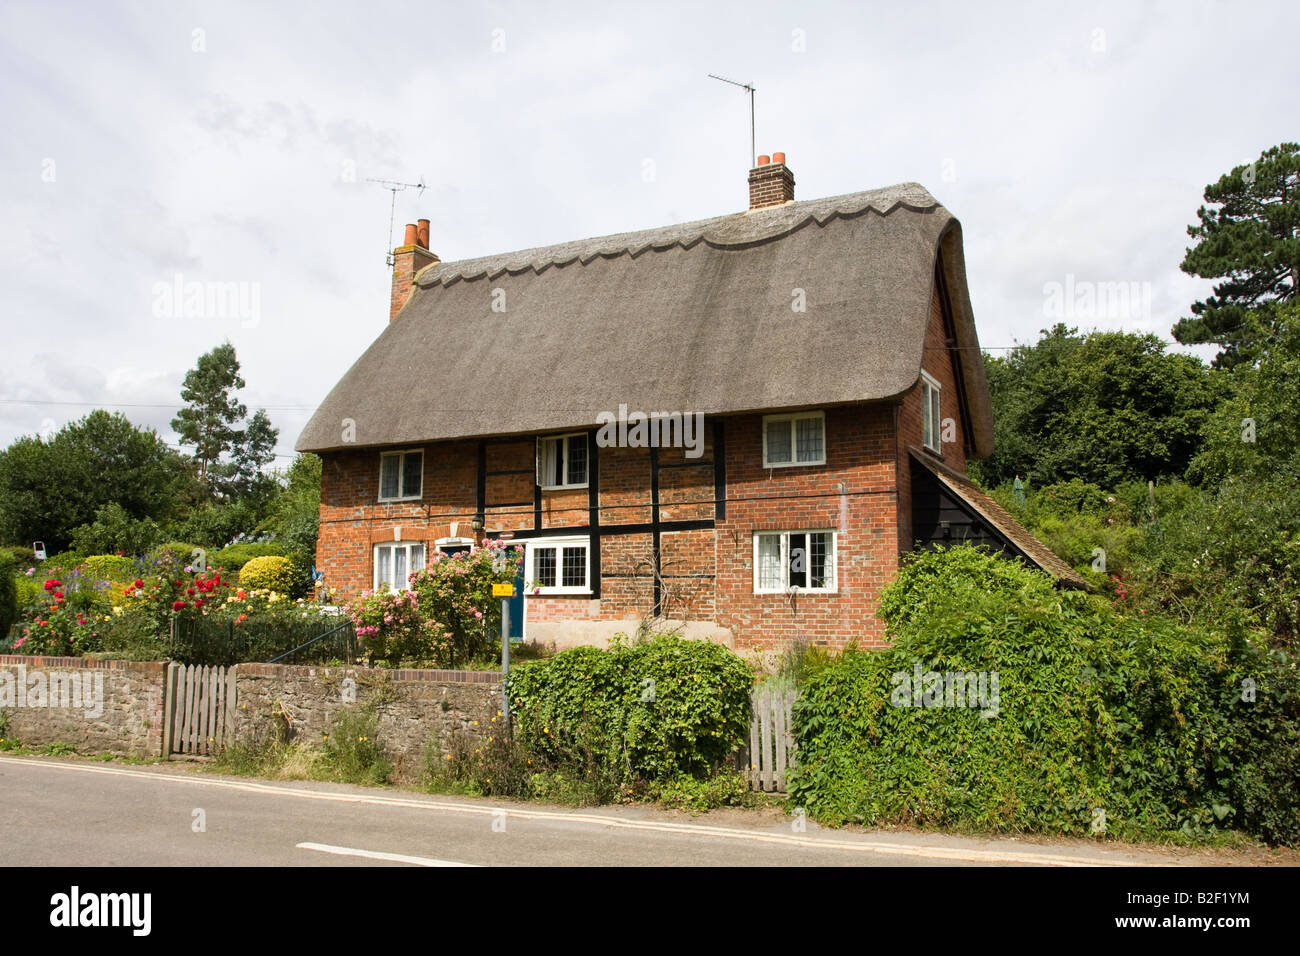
459 616
447 617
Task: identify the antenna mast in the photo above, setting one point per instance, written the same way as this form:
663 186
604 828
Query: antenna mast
753 155
395 188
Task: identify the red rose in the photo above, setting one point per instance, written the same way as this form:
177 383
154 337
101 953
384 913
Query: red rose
177 605
198 602
190 592
137 584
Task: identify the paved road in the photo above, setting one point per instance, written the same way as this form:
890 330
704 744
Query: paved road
73 813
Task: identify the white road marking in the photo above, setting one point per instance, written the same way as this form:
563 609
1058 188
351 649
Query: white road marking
687 829
377 855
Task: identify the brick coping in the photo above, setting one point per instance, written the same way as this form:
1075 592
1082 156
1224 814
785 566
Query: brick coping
262 670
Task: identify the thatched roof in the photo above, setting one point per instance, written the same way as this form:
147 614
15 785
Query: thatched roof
689 318
997 517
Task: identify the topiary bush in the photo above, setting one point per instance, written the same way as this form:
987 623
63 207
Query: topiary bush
651 711
272 572
234 557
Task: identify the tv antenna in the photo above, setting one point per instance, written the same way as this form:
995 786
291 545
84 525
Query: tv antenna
395 188
753 155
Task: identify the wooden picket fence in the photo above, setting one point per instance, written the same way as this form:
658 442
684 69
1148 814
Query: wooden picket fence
198 709
771 740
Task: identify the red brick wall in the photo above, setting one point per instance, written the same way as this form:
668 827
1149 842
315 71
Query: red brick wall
853 494
938 362
861 493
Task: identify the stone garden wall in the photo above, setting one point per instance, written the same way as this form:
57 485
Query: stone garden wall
413 706
93 706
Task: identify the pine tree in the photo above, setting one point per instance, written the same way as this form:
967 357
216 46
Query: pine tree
1250 238
211 421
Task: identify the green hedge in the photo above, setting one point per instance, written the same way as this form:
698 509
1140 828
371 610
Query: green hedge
8 595
650 711
1101 718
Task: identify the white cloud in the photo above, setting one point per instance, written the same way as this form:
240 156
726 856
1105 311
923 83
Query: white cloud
228 165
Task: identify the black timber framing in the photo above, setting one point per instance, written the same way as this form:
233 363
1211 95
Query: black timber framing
934 505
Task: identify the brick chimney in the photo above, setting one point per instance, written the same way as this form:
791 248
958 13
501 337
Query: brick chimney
770 183
408 259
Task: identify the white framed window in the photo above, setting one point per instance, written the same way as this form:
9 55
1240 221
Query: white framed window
931 423
401 475
794 559
790 440
394 562
558 566
562 461
454 545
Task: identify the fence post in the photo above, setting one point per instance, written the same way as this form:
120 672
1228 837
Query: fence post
169 709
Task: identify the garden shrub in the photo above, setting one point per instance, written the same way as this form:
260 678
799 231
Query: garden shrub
113 568
8 596
114 531
174 553
27 589
60 563
1130 719
24 557
652 711
233 558
461 618
272 572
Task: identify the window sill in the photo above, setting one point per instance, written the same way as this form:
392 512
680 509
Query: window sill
785 592
401 501
559 592
932 451
584 485
794 464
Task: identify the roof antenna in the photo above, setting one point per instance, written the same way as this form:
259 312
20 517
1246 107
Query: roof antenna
753 155
395 188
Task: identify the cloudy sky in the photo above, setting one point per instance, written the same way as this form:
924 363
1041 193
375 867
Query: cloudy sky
146 143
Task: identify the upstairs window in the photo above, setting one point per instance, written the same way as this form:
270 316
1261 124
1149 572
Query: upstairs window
790 440
401 475
794 559
562 461
931 423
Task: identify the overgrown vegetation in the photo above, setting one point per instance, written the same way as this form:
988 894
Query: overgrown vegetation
350 751
1101 720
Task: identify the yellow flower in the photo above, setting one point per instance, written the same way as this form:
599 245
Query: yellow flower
476 723
117 611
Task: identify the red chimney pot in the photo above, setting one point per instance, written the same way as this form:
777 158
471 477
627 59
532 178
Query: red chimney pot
764 160
411 235
778 158
422 232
